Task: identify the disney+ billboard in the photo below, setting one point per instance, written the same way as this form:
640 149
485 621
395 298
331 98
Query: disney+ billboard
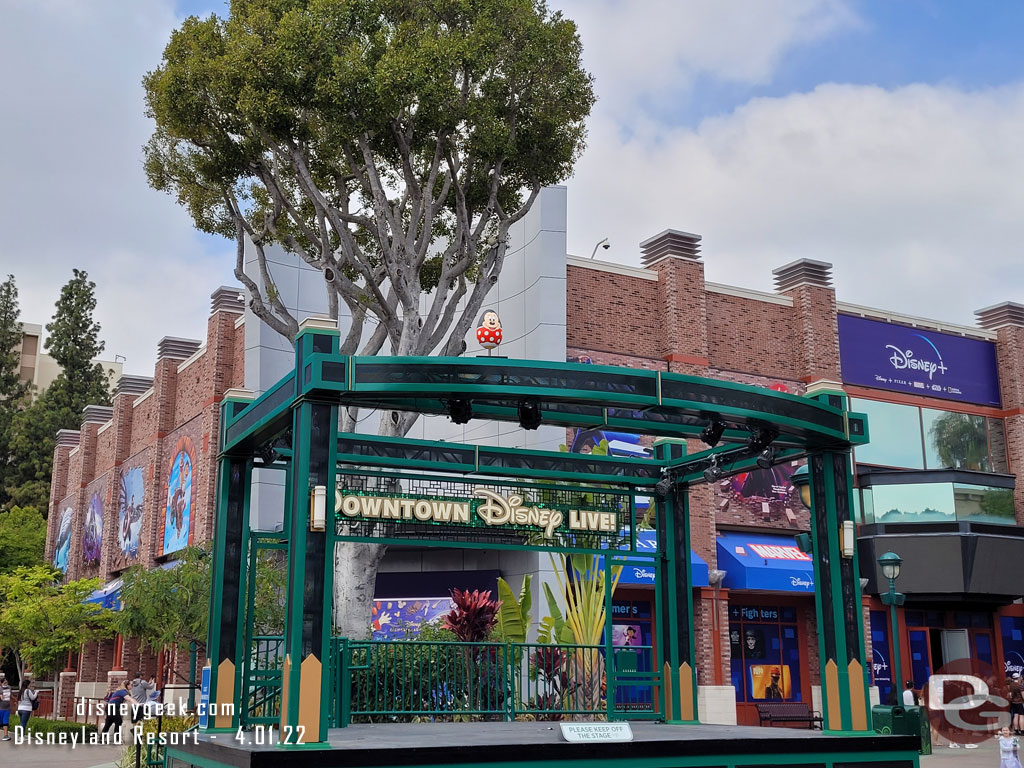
877 354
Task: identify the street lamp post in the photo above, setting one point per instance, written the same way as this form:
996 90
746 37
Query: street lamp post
891 563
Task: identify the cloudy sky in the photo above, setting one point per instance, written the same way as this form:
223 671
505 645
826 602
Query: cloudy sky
884 137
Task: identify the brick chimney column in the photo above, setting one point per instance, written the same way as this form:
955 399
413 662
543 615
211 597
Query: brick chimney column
170 353
809 284
227 305
675 256
1007 320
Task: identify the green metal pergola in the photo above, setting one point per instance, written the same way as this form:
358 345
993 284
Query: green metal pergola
295 425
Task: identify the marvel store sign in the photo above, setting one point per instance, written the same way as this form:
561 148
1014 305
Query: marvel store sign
898 358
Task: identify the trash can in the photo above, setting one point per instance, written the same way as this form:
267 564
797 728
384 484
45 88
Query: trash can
903 721
918 724
886 718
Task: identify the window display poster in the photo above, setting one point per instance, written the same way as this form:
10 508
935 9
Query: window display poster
765 652
881 669
1012 628
770 681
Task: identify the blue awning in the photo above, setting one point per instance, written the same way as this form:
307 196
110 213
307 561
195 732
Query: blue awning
107 596
637 573
763 561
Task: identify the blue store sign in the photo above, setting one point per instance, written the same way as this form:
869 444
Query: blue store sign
901 359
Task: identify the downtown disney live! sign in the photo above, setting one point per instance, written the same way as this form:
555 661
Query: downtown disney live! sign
487 509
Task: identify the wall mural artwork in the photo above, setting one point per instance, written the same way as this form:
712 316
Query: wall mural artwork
178 515
62 551
129 512
401 618
93 535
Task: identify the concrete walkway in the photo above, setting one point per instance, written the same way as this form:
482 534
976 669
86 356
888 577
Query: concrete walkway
81 756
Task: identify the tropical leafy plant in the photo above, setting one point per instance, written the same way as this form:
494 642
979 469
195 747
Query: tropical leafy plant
514 615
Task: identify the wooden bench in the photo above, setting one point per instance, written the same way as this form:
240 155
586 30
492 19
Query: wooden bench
772 712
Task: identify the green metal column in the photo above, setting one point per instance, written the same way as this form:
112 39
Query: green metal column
304 717
837 597
227 595
676 609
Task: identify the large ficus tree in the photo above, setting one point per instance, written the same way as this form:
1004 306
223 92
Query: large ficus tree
388 143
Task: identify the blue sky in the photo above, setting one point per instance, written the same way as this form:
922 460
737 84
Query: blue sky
880 136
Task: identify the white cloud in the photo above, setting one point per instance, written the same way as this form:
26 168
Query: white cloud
74 191
912 193
645 54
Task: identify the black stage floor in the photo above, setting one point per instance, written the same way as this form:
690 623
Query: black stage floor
482 744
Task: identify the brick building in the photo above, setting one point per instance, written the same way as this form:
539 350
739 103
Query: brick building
136 483
936 478
935 484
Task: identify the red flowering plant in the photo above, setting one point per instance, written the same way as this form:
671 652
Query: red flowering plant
474 615
472 620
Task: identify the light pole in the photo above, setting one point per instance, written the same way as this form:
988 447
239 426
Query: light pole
891 563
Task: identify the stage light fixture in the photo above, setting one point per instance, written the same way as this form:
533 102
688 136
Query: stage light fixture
760 438
664 486
529 414
712 433
766 458
460 411
713 472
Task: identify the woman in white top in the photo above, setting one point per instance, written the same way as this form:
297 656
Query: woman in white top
26 695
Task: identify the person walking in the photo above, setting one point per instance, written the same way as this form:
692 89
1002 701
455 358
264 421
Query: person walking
140 690
115 699
5 705
27 698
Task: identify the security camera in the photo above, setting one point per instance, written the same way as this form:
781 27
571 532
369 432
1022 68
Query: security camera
606 245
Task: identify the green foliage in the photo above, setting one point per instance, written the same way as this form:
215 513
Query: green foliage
12 391
22 538
514 615
360 134
42 725
474 615
553 628
164 606
73 342
43 620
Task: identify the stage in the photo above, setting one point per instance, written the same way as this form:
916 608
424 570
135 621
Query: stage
540 743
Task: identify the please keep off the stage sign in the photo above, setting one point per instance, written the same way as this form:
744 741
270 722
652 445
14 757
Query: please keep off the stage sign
583 732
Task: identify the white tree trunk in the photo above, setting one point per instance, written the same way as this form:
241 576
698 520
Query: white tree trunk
355 572
355 563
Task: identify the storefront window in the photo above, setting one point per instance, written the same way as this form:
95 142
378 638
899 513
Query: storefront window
765 653
937 503
909 437
867 505
895 434
981 504
881 663
913 503
955 440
